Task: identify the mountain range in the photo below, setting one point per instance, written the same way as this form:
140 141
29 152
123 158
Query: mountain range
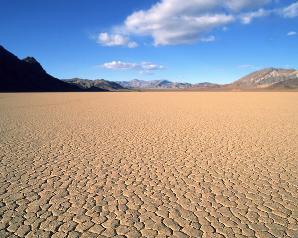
27 75
95 85
154 84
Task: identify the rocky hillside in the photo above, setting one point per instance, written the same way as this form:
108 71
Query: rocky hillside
206 85
268 78
27 75
154 84
287 84
95 85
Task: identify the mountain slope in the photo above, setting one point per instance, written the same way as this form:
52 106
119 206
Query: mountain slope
267 78
154 84
206 85
27 75
287 84
95 85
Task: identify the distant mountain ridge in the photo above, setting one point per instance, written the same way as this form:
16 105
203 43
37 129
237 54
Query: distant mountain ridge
206 85
28 75
269 78
153 84
95 85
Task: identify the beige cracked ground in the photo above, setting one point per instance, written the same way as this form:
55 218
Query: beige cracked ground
184 164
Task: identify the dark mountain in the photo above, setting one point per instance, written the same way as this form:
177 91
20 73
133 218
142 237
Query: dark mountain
154 84
268 78
95 85
27 75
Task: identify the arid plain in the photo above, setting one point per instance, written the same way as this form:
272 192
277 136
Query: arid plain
151 164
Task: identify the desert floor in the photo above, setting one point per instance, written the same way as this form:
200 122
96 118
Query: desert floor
149 164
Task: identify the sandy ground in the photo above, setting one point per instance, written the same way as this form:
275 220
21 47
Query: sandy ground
149 165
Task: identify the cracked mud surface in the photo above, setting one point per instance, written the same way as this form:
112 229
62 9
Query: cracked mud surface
149 165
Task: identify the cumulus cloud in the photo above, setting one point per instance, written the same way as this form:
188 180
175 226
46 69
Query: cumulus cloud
107 39
292 33
172 22
141 67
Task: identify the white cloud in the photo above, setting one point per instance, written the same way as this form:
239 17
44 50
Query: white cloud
107 39
142 67
118 65
290 11
132 44
292 33
147 66
208 39
246 18
172 22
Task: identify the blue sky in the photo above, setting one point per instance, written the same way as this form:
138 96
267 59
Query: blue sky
189 41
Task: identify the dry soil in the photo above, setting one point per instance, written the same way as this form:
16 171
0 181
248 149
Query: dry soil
172 164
